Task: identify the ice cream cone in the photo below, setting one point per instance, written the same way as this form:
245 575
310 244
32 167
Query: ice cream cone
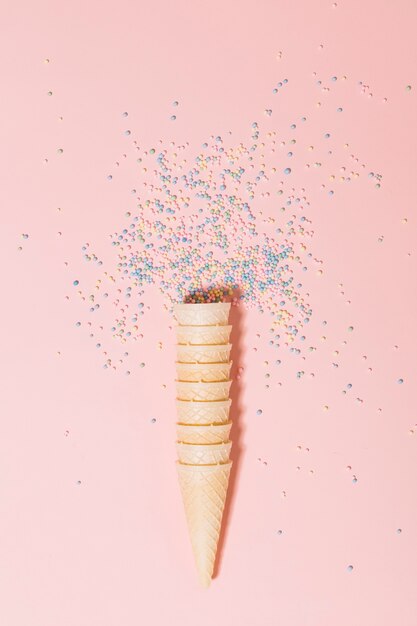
203 391
204 314
203 372
189 412
203 353
197 335
203 426
203 433
204 489
210 454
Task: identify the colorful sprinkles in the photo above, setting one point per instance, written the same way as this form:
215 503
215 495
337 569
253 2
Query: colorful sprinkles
201 228
219 223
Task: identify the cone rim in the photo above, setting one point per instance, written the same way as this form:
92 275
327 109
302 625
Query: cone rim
218 424
201 382
223 363
201 305
204 345
212 467
211 402
186 327
201 424
225 444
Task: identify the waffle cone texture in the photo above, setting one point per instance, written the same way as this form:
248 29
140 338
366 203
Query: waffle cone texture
203 425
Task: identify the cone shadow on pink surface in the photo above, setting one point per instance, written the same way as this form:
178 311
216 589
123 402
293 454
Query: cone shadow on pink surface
236 410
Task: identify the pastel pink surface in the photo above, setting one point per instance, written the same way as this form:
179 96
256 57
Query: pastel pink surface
113 548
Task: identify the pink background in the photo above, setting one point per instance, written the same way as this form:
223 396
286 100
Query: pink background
92 530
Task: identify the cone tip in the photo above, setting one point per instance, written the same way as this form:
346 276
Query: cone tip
205 580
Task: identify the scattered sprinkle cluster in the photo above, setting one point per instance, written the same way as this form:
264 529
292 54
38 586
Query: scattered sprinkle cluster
222 216
204 226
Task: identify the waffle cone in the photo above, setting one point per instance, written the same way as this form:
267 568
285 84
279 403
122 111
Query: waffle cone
203 353
198 335
203 372
204 314
204 489
203 433
202 392
203 412
212 454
